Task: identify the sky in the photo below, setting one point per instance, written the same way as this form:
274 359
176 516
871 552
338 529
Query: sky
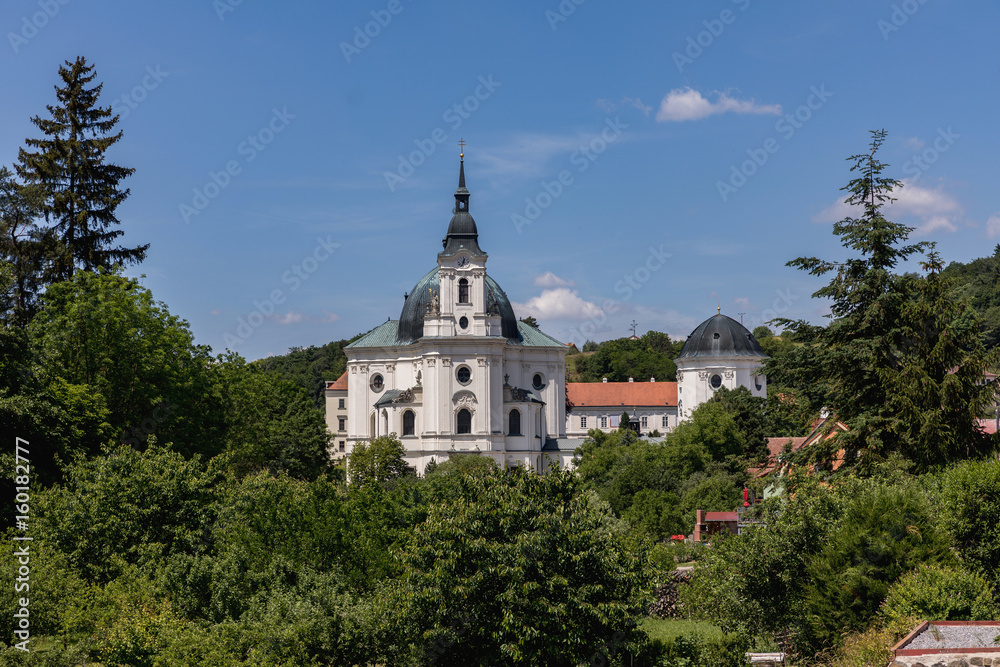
645 162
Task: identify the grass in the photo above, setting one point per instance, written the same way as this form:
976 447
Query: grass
668 628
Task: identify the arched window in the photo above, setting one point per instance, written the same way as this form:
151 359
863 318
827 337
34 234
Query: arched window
464 422
463 291
409 420
514 423
371 426
385 422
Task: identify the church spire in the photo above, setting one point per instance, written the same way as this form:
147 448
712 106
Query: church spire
461 194
462 232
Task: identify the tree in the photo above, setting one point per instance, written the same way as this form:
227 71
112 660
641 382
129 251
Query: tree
378 461
22 243
106 333
748 413
536 572
530 321
81 189
651 356
885 360
271 423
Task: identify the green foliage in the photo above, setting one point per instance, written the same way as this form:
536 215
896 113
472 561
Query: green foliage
883 531
978 282
271 423
105 333
81 189
536 572
885 362
23 244
381 460
127 507
652 356
530 321
310 367
751 420
970 495
931 592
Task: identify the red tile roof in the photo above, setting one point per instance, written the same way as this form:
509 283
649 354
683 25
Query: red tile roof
340 384
602 394
988 425
720 516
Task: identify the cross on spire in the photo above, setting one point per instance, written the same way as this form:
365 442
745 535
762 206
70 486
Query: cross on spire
461 145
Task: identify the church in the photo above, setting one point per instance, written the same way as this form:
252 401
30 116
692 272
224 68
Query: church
459 373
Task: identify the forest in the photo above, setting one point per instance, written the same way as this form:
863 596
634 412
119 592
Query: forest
178 507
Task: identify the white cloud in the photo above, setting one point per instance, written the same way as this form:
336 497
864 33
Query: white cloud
683 104
291 317
549 279
328 317
561 303
993 225
741 302
935 210
914 143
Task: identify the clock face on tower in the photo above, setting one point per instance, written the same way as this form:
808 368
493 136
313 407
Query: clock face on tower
463 261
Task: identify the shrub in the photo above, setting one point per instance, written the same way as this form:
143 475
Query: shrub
936 593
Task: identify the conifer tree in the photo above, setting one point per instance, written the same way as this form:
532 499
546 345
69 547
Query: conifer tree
22 246
902 363
81 189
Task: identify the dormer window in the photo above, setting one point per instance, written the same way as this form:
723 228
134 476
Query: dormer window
463 291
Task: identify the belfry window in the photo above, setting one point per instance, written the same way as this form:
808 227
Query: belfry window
463 291
463 422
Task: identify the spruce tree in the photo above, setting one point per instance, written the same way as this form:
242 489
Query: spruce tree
81 189
22 244
902 363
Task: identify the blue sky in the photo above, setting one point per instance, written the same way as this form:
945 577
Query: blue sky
627 161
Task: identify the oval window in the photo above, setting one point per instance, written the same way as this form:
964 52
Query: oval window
538 381
716 381
376 382
464 322
464 375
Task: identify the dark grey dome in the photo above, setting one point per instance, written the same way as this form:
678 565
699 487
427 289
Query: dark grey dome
462 224
411 320
721 336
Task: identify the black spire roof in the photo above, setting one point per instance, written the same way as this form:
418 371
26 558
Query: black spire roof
721 336
462 231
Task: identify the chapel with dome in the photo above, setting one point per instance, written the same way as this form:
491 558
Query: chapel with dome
457 372
720 352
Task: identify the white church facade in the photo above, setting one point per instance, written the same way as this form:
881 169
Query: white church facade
458 373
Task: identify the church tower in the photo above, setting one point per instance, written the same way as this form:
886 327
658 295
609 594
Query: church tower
457 373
